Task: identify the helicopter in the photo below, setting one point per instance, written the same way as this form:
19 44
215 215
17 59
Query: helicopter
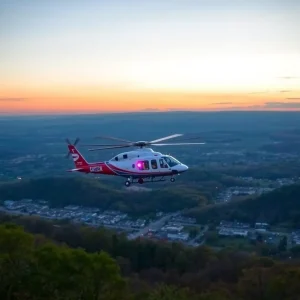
138 166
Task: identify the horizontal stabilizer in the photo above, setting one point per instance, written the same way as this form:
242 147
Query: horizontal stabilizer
75 170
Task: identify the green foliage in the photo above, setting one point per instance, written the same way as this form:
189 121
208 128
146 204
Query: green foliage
211 237
169 293
28 271
282 244
34 267
193 232
279 206
88 192
295 251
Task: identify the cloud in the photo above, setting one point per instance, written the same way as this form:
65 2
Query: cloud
288 77
151 109
173 109
261 92
271 105
255 106
284 91
12 99
282 104
222 103
293 99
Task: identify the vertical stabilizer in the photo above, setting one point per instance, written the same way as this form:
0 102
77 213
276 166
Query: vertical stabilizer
78 159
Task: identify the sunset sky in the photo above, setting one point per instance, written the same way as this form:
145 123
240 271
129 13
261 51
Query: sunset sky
136 55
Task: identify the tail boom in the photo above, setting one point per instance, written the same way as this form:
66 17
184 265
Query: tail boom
81 164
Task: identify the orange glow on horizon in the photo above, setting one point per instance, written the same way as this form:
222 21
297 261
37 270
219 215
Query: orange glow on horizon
104 100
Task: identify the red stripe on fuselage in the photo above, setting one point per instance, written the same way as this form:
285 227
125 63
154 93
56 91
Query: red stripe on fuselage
97 168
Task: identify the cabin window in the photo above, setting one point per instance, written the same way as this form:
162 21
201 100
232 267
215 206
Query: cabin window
162 163
143 165
146 164
154 164
171 161
133 166
116 158
125 156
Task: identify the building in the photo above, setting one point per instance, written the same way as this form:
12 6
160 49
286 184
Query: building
172 229
262 227
226 224
178 236
233 232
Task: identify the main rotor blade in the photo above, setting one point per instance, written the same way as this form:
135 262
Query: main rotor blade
106 145
105 148
166 138
189 139
113 139
177 144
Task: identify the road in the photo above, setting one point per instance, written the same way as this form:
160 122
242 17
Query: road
154 225
201 233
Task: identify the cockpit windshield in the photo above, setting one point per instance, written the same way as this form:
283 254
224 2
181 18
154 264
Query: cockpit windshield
171 161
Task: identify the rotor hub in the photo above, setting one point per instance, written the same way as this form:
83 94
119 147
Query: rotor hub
141 144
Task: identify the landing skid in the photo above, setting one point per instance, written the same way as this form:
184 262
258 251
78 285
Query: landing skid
130 181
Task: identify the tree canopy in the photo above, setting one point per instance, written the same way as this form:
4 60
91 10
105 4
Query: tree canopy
73 262
60 191
280 206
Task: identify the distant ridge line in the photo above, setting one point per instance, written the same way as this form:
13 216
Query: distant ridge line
146 112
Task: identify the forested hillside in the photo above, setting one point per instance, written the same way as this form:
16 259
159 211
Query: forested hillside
193 189
279 206
33 267
61 191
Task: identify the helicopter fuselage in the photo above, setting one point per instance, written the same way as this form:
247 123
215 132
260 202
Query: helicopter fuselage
139 164
144 163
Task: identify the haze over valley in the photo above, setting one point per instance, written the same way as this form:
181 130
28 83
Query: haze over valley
246 154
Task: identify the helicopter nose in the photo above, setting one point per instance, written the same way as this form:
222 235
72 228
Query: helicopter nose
182 168
185 168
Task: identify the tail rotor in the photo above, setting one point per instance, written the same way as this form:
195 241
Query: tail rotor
69 143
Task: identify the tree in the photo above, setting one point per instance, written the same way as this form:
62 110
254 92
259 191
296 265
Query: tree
211 237
16 260
193 232
164 292
295 251
259 237
252 284
282 244
49 271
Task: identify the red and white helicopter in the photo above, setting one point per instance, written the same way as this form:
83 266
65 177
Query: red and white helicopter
139 165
